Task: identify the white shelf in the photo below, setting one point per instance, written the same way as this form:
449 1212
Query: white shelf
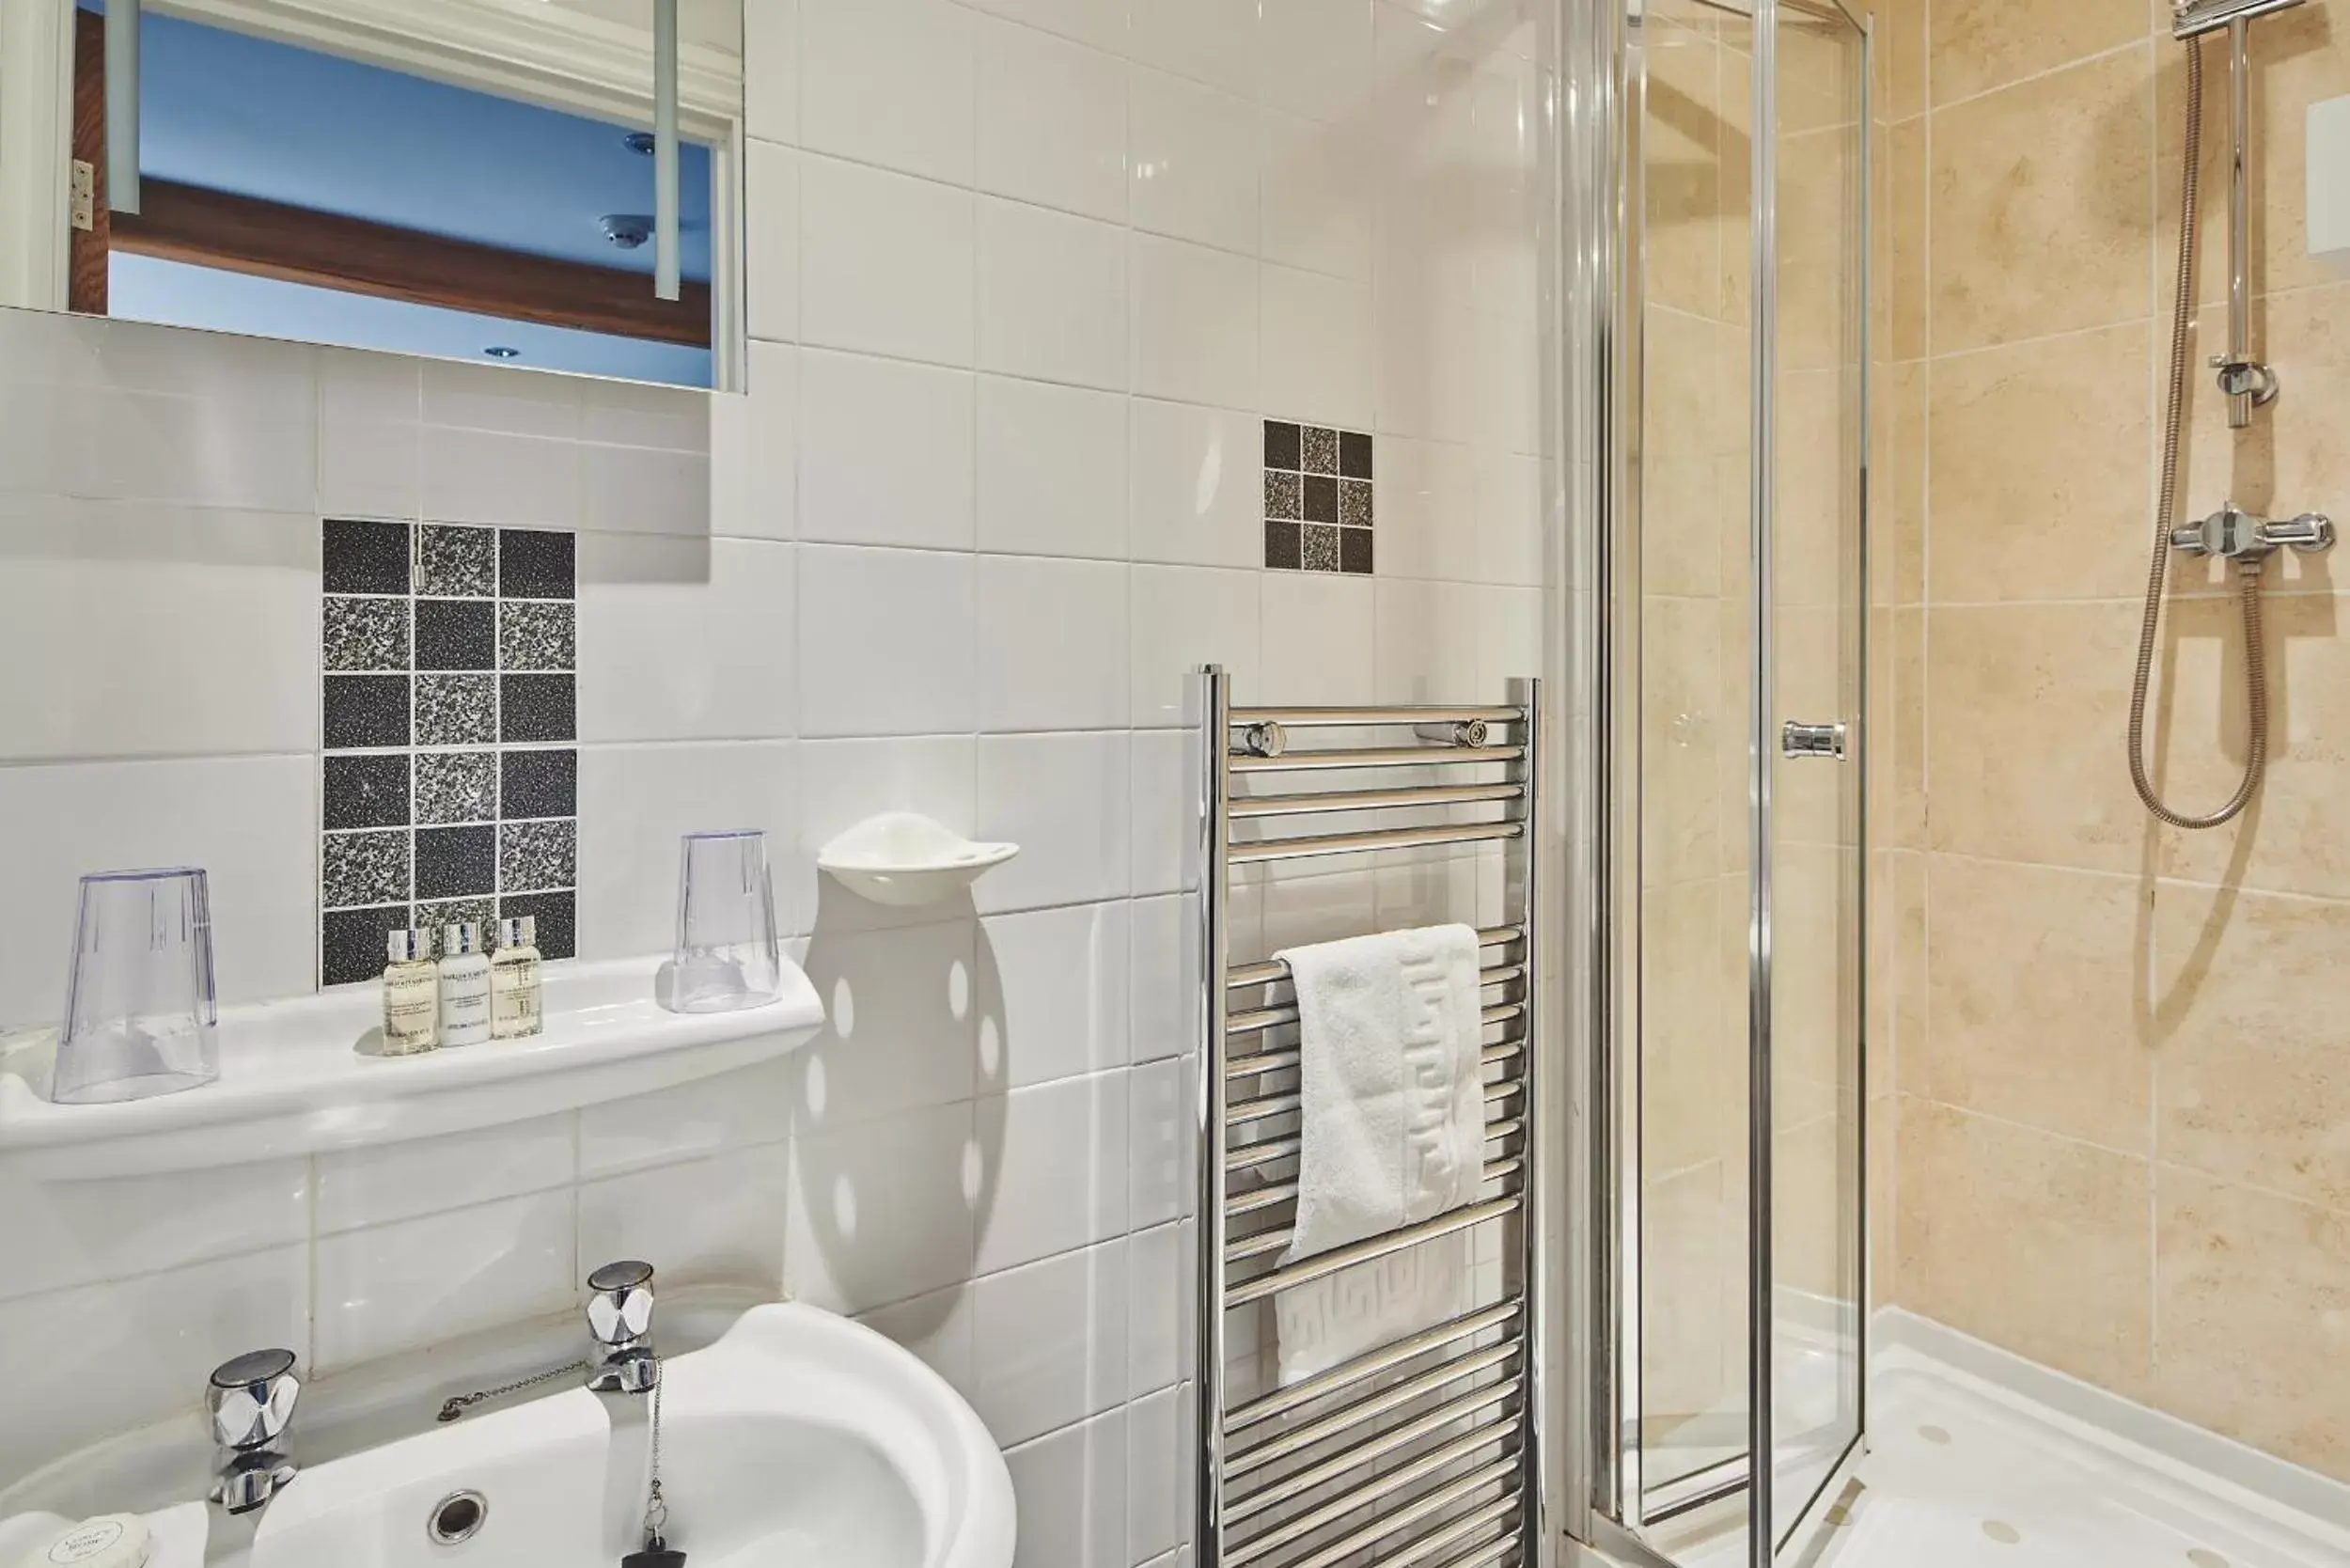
903 858
301 1076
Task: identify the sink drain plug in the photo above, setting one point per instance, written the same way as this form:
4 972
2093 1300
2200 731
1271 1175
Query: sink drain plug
457 1517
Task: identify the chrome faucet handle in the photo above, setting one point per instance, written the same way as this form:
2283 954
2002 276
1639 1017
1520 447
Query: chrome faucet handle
619 1320
250 1400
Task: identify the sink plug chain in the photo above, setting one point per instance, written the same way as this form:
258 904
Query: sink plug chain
457 1404
657 1552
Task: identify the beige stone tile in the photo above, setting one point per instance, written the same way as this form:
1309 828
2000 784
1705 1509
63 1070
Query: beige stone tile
1883 779
1692 1339
2026 708
1897 544
2252 1317
2033 1013
2040 206
1884 1200
1906 823
1682 722
1817 1244
1815 984
1682 173
1818 219
1681 382
1981 44
2292 838
1901 56
1910 978
2042 481
2038 1244
2250 1081
1693 1071
1908 218
1682 525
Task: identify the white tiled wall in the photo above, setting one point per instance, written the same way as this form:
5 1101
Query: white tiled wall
1025 276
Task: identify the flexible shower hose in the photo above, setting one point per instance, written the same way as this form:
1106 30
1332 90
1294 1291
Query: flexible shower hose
2166 511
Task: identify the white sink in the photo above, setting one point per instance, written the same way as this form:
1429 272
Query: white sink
798 1439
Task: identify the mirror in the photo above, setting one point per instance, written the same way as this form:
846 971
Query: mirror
549 184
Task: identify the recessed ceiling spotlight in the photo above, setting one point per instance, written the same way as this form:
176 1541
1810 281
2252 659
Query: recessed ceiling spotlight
499 351
627 230
640 142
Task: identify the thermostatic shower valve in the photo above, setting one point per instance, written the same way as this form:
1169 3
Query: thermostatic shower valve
2235 534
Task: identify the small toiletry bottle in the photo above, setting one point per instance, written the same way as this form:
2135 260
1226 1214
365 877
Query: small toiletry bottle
464 986
514 996
412 995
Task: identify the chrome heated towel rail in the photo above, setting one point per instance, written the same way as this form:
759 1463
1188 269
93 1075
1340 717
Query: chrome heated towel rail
1424 1452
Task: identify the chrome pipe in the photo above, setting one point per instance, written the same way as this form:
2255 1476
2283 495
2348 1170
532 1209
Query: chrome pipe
1265 1242
1308 718
665 153
1283 1061
1257 1020
1274 1150
1394 1521
1324 1264
1299 1439
1373 1492
1274 969
1265 1107
1378 757
1298 1483
1213 693
2239 218
1376 800
1378 839
122 106
1457 1531
2192 19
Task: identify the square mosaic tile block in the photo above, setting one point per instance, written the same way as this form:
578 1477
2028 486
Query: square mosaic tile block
1318 498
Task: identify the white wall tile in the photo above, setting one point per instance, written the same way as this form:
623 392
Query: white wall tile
485 396
142 611
844 781
1195 161
900 1025
771 69
1199 499
248 439
1053 993
937 1329
1317 347
1161 1287
1319 194
1162 1133
67 1233
1052 1169
889 81
1509 519
1165 810
886 641
1063 800
370 409
771 241
1160 1471
885 263
480 476
118 1356
392 1181
1186 616
1163 978
710 1115
685 638
1195 322
1318 638
1208 41
644 490
1427 641
1052 121
250 821
1052 469
755 449
391 1288
1050 1342
711 1221
1315 56
1052 643
1052 295
1099 23
635 801
886 451
879 1212
1427 497
1070 1488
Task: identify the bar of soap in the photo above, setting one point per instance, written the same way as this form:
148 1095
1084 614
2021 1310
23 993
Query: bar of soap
109 1541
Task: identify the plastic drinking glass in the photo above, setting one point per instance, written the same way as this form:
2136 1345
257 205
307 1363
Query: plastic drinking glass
140 1018
726 957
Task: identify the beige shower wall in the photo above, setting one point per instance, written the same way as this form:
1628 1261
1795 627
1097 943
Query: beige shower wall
2114 1059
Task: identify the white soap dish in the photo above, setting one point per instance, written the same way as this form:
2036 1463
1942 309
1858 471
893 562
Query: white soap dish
904 859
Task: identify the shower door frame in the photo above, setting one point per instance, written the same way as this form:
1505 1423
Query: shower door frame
1616 1504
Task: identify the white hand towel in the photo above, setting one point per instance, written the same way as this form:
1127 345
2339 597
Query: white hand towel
1394 1133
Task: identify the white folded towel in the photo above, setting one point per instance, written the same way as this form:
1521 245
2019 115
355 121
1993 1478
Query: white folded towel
1394 1133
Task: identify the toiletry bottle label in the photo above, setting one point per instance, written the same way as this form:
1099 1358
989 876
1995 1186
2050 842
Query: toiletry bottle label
464 1004
412 1014
515 1004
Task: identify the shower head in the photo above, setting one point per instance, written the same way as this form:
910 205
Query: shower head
2192 19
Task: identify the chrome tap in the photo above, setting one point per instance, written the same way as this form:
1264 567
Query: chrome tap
250 1400
620 1319
2238 535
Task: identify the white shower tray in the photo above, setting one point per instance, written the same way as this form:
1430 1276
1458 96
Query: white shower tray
303 1076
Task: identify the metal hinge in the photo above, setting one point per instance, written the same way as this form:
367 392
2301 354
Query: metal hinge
85 196
1812 740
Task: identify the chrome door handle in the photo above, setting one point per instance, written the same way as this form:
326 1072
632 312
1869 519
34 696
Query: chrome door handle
1799 739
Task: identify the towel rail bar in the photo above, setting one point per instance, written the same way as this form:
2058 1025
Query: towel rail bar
1273 1493
1273 1196
1300 1438
1372 1491
1274 1150
1376 800
1324 1264
1283 1061
1385 1358
1257 1020
1378 757
1307 718
1458 1531
1389 1522
1275 970
1435 1502
1257 854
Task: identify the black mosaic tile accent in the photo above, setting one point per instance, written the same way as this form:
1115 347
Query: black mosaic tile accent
1354 553
364 557
1320 551
538 634
440 914
368 789
1306 500
457 710
1320 451
537 857
363 634
456 634
534 564
538 708
457 563
350 943
457 787
1320 499
1283 548
365 711
557 917
456 862
538 784
361 868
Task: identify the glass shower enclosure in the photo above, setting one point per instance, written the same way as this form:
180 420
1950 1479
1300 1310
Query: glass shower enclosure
1726 1096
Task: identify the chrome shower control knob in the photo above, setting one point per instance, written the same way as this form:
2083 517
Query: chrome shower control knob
619 1302
251 1399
